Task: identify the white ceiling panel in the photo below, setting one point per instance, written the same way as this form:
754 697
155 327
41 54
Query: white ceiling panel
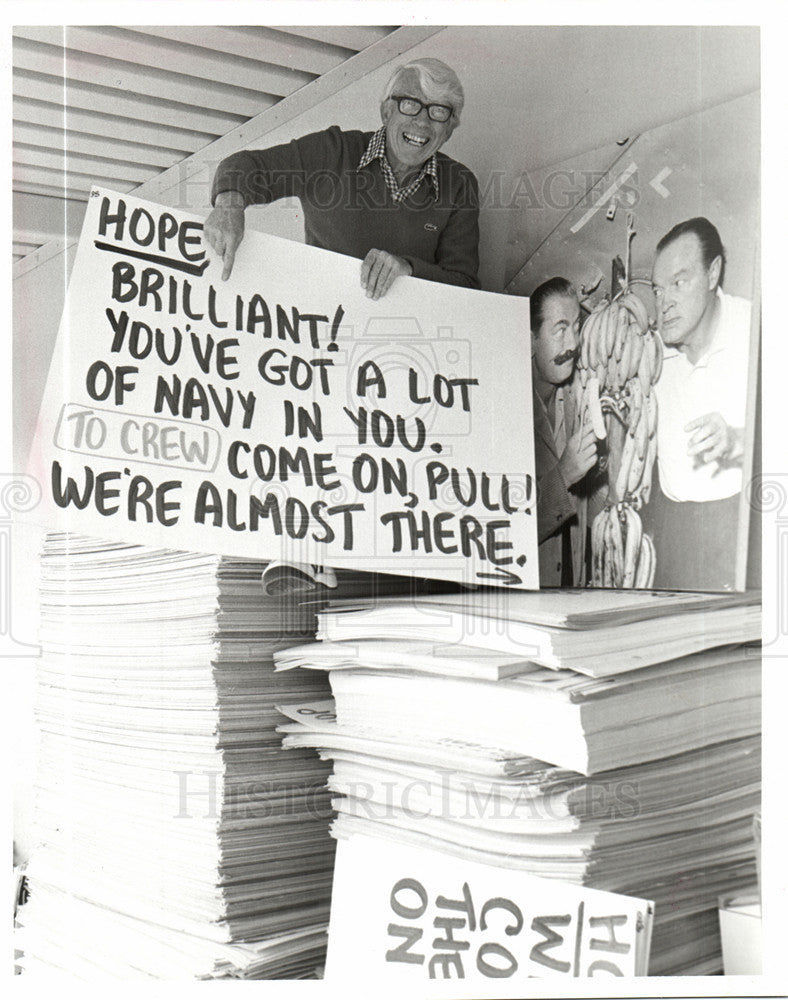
71 143
118 73
117 106
276 47
192 63
68 94
40 114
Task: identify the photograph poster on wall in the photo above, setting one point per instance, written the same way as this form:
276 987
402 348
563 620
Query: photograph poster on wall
645 334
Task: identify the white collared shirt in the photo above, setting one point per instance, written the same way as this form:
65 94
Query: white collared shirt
717 382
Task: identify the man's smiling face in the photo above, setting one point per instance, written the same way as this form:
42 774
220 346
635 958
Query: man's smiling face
410 142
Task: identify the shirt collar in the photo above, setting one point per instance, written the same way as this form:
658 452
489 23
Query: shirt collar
718 339
376 150
717 342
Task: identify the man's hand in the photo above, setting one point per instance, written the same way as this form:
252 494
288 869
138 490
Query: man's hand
579 455
378 271
713 440
224 228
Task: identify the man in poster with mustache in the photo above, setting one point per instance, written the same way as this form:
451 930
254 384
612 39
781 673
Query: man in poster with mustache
562 459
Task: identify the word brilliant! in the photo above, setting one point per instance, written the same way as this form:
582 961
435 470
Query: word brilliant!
149 288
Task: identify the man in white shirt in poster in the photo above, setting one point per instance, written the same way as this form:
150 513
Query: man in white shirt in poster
702 400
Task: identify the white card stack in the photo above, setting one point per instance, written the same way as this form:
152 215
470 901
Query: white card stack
176 839
537 749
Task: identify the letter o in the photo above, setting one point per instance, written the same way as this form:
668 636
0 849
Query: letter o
382 427
299 364
443 391
140 347
409 912
495 971
261 451
136 215
95 441
96 369
362 463
295 509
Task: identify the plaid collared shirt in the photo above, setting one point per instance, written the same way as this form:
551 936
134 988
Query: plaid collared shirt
376 150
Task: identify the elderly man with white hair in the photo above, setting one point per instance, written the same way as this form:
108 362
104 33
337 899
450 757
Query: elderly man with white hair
390 198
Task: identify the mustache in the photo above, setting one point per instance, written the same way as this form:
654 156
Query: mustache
565 356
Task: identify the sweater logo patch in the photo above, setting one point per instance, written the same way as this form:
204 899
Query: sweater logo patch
430 227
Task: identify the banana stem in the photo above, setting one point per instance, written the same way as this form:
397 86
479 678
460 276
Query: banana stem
628 254
611 405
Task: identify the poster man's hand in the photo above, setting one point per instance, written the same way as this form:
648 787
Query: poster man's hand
713 440
224 228
579 455
378 271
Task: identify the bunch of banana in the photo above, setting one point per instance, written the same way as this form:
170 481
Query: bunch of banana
622 554
621 358
633 480
624 356
614 340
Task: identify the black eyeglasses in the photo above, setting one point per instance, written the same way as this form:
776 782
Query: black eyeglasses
411 106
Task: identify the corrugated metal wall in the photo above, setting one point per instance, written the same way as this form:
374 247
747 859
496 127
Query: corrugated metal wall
117 106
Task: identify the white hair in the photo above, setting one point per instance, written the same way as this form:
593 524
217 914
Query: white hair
438 81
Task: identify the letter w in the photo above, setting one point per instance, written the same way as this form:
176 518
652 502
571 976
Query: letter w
551 939
71 494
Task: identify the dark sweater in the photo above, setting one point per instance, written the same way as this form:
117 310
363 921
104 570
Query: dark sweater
351 211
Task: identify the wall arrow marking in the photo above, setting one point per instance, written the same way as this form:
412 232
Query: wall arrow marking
656 182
